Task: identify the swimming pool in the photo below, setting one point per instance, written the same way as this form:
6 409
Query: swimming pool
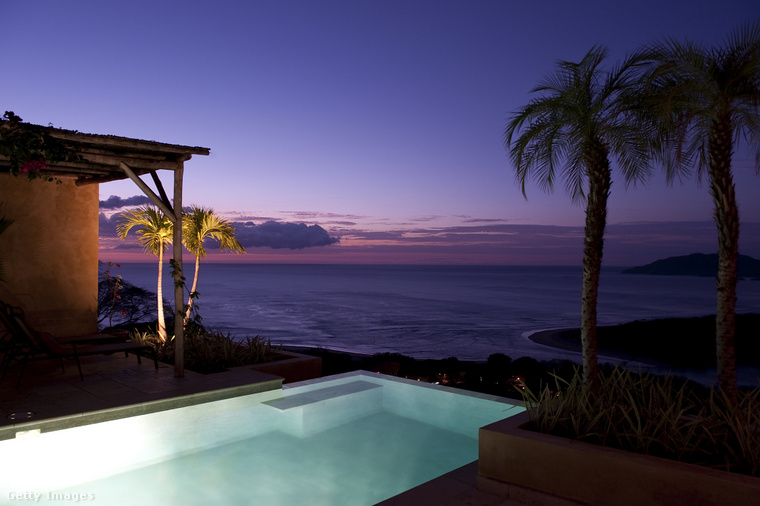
356 438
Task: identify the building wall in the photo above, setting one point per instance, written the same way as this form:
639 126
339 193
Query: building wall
50 253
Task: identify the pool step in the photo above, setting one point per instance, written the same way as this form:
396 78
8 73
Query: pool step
317 410
322 394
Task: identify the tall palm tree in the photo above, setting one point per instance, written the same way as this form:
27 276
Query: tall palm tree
580 120
707 100
199 224
154 232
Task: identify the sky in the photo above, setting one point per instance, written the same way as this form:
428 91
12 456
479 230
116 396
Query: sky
359 131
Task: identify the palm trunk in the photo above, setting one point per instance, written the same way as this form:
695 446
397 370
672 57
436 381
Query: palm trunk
192 290
160 296
596 220
727 221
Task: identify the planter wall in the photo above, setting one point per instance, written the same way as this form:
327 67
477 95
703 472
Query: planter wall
537 468
293 367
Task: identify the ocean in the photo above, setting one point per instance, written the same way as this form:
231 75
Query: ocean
468 312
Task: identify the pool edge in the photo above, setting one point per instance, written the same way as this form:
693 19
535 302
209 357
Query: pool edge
266 382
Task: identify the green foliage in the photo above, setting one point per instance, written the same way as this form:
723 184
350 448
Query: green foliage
705 100
693 88
120 302
109 294
580 121
211 351
654 416
177 273
581 115
198 225
29 148
154 230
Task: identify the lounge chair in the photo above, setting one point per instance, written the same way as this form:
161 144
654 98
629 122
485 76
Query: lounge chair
23 344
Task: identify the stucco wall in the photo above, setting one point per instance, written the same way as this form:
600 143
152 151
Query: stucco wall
50 253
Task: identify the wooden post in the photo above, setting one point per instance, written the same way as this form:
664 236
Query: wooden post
179 292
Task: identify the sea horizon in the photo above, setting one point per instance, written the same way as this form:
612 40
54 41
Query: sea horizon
430 311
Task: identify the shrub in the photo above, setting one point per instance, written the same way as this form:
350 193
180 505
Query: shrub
653 415
120 303
211 351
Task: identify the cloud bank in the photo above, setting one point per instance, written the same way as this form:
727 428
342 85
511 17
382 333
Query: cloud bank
114 202
270 234
468 241
276 235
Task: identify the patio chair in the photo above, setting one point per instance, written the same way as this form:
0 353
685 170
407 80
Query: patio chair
27 344
13 340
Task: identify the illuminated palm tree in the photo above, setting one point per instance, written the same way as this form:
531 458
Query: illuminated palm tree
198 225
707 100
154 232
580 120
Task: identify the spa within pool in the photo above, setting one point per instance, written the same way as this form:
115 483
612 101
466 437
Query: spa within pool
354 439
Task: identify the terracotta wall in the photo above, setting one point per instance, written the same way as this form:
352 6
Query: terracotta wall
50 253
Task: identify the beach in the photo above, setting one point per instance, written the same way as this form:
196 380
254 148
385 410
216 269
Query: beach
680 347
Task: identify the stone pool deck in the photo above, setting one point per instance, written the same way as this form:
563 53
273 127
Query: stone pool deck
46 394
55 400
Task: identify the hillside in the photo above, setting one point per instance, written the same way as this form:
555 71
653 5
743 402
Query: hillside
678 342
696 264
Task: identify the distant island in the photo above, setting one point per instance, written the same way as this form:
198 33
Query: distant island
696 264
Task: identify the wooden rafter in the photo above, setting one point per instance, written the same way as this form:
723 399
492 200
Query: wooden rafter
161 203
100 156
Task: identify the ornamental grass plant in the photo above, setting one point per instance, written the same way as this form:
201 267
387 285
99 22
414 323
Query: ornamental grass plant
653 415
211 351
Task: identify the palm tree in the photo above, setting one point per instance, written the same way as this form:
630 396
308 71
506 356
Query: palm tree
706 99
197 225
581 119
154 231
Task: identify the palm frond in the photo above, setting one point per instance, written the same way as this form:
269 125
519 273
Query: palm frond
200 224
154 230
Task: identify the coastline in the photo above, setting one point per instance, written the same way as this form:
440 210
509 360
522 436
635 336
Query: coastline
562 339
680 347
568 339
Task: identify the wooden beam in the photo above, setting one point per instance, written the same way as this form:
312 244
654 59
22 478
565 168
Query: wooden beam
110 161
102 154
168 211
84 181
126 143
122 154
179 285
160 188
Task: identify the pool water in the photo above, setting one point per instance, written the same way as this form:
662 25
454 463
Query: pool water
338 466
354 439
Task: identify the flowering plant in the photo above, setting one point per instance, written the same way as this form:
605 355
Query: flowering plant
29 148
33 165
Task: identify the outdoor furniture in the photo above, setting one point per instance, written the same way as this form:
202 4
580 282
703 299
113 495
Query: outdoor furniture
21 343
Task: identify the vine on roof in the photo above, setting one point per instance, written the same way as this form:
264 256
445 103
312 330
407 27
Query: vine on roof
29 148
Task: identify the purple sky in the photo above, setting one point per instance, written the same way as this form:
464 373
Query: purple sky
379 121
